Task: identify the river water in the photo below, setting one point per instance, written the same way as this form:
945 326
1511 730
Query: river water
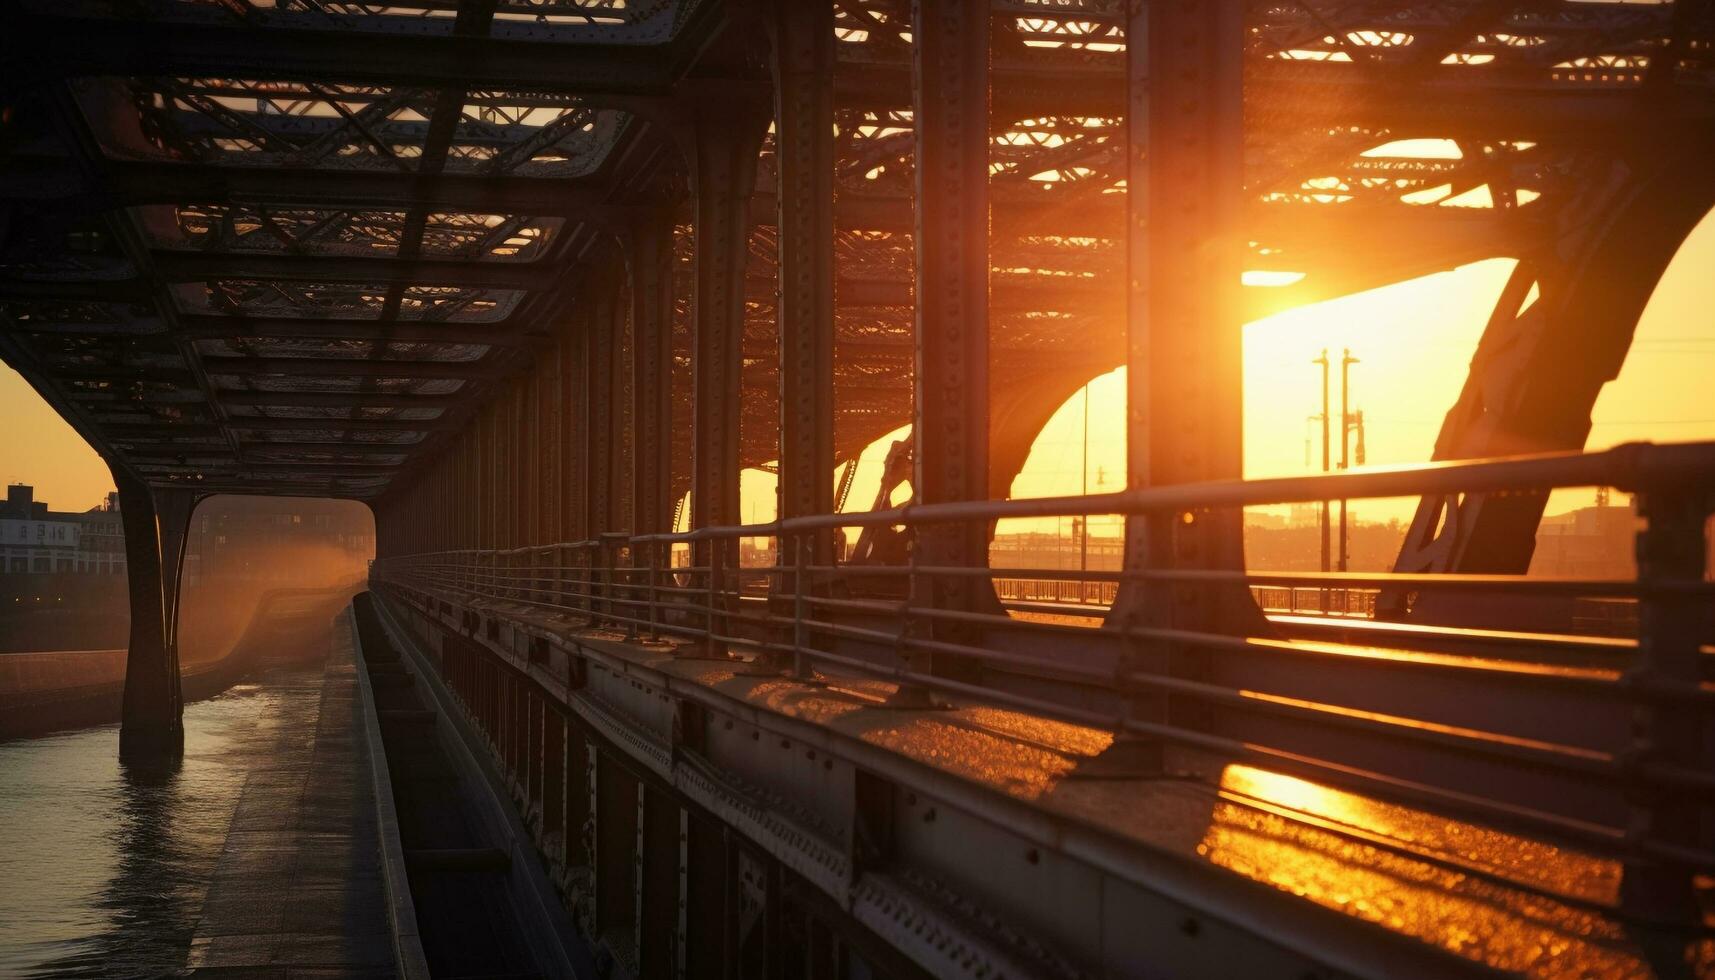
104 867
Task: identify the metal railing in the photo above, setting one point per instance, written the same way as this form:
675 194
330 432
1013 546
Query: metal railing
1611 759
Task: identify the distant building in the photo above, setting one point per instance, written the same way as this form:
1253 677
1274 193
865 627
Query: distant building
1590 542
232 540
37 541
101 539
33 539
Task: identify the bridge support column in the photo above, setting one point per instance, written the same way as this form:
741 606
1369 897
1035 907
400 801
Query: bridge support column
601 345
804 160
1540 367
173 509
152 710
725 147
1184 402
803 35
950 427
649 245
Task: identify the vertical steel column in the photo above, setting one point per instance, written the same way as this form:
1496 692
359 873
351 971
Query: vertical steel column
575 434
1538 369
804 161
614 856
650 252
469 512
950 426
600 344
529 463
950 94
727 136
511 486
529 456
538 753
152 710
482 477
726 145
514 473
553 782
173 508
1185 179
549 446
658 885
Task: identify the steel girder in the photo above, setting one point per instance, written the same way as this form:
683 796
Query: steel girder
69 46
649 254
1322 92
724 150
1540 366
804 161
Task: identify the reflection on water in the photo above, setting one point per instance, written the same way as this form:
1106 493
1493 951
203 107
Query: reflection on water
103 867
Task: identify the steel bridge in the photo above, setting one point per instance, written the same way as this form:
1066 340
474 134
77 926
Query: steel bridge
539 279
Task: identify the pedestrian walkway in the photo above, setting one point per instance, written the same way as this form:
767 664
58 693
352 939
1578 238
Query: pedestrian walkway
298 889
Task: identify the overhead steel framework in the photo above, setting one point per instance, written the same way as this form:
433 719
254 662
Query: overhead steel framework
524 274
210 206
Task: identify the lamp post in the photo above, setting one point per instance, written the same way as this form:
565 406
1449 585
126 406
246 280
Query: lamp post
1322 361
1347 422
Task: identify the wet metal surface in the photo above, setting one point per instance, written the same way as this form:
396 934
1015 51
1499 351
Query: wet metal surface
255 856
1515 903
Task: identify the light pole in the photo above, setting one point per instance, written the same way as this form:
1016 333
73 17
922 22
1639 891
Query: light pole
1324 418
1346 424
1084 489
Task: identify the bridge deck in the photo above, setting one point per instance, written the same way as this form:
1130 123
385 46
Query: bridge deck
1508 901
298 889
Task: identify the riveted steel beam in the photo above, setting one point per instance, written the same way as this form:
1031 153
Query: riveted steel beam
650 254
63 46
1185 179
353 400
804 161
951 423
727 136
178 266
328 367
130 183
212 327
599 341
275 424
1539 368
1303 95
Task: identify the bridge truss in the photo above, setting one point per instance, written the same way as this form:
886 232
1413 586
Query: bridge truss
526 273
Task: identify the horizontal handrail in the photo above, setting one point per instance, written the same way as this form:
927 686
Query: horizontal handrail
889 621
1629 467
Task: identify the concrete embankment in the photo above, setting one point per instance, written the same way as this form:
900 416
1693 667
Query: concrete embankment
58 690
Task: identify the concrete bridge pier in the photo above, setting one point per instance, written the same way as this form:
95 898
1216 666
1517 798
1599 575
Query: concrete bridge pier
156 522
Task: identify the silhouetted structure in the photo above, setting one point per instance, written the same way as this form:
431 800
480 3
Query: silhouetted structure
523 274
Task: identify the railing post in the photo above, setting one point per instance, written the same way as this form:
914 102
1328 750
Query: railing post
803 668
712 623
652 583
586 563
601 564
562 578
629 593
910 695
1670 550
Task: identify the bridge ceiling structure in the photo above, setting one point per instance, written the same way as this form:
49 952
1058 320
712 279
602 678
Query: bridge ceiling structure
286 246
540 279
280 247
